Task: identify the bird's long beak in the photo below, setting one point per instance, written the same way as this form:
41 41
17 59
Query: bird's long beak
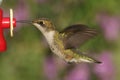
25 21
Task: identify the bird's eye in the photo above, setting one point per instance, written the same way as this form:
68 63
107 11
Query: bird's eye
41 23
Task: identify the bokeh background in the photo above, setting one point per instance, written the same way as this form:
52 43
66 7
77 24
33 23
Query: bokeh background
28 56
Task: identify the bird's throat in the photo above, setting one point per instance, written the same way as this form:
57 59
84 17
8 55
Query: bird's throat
49 37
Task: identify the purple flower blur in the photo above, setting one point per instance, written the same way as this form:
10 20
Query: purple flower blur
50 68
105 70
80 72
110 26
21 12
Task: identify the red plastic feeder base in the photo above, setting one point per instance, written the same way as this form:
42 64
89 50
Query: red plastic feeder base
4 23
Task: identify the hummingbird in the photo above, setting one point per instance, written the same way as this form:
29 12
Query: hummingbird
65 44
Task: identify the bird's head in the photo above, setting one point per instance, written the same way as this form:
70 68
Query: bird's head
43 25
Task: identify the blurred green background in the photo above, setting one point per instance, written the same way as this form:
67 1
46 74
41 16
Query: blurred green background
28 56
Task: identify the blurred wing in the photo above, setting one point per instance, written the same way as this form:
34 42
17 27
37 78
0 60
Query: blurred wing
76 35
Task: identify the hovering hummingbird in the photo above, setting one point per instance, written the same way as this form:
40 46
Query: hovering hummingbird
65 44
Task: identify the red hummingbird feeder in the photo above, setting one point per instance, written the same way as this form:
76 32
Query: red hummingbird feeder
5 22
